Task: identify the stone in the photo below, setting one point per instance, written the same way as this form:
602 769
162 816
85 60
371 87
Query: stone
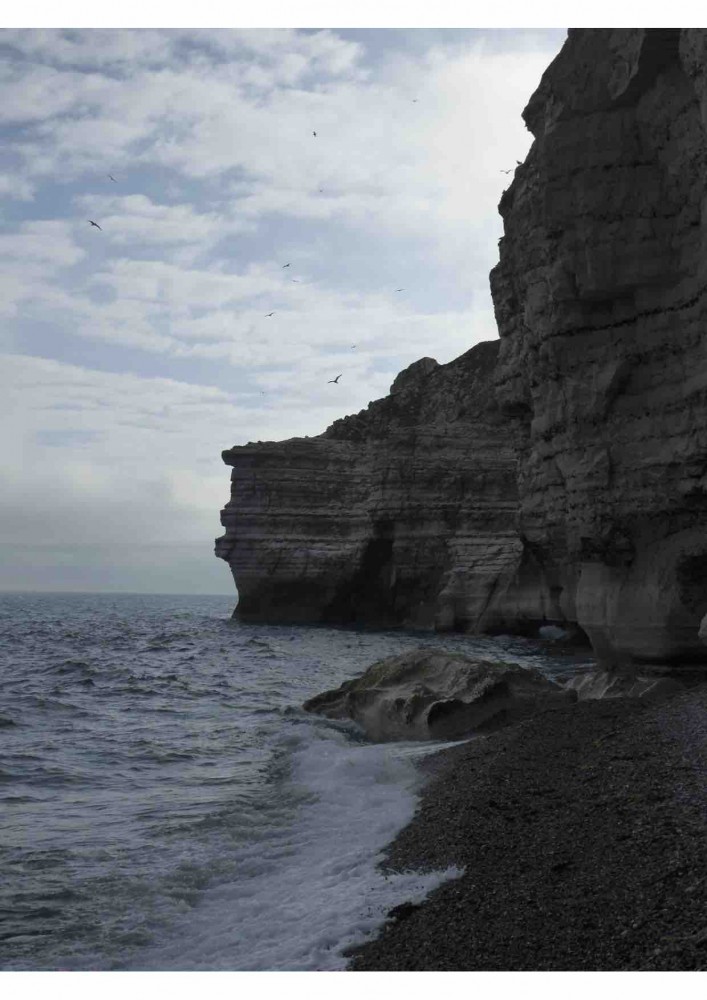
432 695
402 514
559 476
601 307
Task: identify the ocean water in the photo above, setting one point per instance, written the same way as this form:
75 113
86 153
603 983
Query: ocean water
166 804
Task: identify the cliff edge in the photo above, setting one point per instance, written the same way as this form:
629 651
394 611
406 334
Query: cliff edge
402 514
559 475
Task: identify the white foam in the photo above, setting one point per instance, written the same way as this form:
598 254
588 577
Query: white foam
313 891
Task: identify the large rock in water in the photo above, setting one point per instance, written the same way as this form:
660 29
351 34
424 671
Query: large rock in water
601 302
428 695
403 514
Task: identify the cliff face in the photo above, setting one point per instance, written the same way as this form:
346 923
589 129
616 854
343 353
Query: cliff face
601 307
403 514
562 475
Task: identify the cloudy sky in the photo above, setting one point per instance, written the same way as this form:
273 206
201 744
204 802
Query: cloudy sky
135 353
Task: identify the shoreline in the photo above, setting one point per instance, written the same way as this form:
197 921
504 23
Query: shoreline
583 834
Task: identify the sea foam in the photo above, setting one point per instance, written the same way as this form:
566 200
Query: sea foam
312 890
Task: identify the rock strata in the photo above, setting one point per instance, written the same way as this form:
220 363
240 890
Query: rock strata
403 514
430 695
559 479
601 308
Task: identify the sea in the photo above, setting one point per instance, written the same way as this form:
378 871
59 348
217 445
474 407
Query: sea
167 804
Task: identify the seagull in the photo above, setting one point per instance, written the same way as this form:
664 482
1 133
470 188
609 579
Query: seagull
414 100
270 314
296 280
285 265
95 224
113 178
399 289
353 347
335 380
314 134
506 171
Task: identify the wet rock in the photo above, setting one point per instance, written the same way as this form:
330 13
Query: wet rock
431 695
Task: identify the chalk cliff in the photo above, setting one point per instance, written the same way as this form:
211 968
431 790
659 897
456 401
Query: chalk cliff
600 303
559 474
403 514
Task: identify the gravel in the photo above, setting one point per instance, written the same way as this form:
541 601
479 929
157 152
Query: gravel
583 834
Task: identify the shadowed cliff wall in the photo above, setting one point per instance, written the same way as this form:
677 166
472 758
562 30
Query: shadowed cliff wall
600 303
403 514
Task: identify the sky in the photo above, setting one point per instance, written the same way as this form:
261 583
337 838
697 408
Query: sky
135 353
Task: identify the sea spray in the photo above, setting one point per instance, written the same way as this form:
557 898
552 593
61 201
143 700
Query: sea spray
315 890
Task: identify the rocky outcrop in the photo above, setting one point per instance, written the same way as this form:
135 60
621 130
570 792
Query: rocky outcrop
601 308
427 695
403 514
595 428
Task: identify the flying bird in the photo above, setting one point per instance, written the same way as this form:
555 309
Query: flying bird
296 280
335 380
314 134
285 265
113 178
270 314
95 224
414 100
506 171
399 289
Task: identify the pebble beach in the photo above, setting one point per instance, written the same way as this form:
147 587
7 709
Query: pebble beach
582 833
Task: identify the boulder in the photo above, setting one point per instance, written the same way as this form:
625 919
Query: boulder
431 695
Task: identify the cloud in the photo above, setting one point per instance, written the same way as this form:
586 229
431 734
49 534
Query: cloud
17 188
220 183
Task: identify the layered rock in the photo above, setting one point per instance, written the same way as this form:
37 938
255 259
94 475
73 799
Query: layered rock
601 308
403 514
428 694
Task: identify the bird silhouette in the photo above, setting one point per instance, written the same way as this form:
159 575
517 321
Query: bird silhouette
335 380
506 171
270 314
399 289
296 280
414 100
113 178
95 224
285 265
314 134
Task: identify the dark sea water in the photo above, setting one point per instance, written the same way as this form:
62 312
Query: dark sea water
165 803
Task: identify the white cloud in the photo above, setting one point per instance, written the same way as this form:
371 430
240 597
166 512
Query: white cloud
46 241
137 219
220 183
14 187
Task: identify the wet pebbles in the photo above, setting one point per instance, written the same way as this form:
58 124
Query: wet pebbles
583 832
